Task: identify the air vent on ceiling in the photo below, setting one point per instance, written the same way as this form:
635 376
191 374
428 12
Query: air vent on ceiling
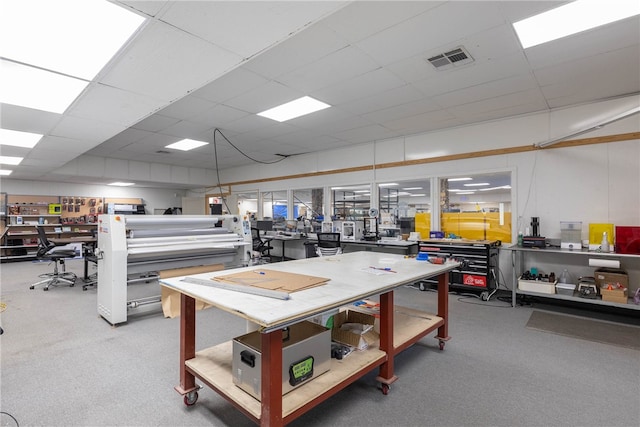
163 152
453 58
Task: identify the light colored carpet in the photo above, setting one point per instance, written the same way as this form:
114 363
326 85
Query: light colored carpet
586 329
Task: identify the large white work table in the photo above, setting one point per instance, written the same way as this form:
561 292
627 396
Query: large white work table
351 279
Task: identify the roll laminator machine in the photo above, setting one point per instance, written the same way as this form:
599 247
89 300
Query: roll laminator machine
134 249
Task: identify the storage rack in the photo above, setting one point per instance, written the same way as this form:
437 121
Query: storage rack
479 260
522 256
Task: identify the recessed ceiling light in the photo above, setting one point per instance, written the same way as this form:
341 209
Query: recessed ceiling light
572 18
10 160
186 144
476 184
389 184
417 195
459 179
296 108
38 89
412 188
122 184
73 37
5 172
19 139
502 187
466 192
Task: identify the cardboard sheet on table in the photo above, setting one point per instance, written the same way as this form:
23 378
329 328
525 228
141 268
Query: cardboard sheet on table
273 280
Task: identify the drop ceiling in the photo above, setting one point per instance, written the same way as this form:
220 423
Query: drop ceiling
195 66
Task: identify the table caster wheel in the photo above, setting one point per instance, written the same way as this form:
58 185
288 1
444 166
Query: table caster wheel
484 296
191 398
441 345
385 389
422 286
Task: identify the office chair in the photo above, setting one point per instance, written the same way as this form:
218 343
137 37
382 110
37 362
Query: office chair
47 250
259 245
328 244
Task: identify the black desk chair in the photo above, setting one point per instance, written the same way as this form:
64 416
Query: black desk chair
259 245
47 250
328 244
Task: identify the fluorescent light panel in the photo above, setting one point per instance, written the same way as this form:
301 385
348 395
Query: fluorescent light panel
459 179
296 108
412 188
186 144
572 18
389 184
5 172
122 184
10 160
38 89
476 184
19 139
58 47
74 37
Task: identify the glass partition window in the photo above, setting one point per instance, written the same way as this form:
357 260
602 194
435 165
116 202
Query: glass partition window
351 203
248 205
405 207
274 206
308 207
476 207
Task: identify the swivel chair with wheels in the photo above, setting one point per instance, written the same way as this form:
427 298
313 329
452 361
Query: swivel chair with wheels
259 245
328 244
56 254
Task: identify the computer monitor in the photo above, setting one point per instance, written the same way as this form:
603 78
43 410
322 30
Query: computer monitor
264 225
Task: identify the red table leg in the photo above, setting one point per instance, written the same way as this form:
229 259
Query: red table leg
187 343
386 376
443 308
271 379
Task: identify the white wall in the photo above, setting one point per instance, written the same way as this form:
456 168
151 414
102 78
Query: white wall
592 183
153 198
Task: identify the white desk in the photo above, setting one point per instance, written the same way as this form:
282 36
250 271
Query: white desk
351 279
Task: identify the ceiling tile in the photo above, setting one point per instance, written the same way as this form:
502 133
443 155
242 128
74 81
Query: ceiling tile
264 97
315 41
331 69
166 63
380 101
437 27
218 115
24 119
155 123
363 19
246 27
363 86
147 7
232 84
187 107
92 132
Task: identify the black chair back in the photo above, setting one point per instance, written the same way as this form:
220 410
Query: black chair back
328 240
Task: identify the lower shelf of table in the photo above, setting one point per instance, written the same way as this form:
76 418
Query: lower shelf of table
213 366
630 304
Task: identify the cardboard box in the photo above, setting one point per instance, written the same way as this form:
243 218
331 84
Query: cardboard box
537 286
605 276
306 354
615 294
359 341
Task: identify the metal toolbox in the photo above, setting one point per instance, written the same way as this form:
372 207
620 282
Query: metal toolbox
306 354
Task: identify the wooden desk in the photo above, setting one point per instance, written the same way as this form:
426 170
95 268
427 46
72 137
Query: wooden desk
351 279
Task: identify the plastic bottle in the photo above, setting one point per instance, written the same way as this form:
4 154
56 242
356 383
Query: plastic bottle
604 246
520 238
565 277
